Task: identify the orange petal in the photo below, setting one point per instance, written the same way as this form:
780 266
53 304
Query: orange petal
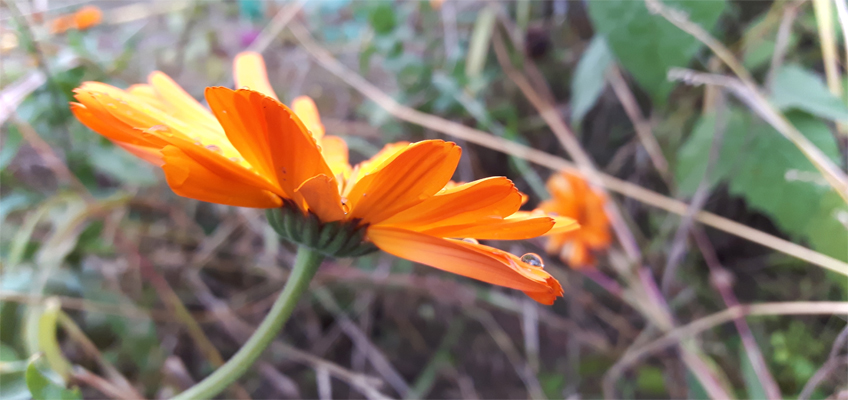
475 261
93 115
250 73
152 155
322 196
416 173
505 229
180 104
307 111
269 136
213 159
561 224
335 153
188 178
469 203
87 17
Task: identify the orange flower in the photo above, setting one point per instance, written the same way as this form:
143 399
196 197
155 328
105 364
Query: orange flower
87 17
573 198
253 151
83 19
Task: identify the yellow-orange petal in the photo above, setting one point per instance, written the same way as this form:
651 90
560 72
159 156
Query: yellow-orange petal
321 194
334 150
307 111
250 73
373 164
469 203
505 229
147 93
190 179
269 136
181 104
475 261
416 173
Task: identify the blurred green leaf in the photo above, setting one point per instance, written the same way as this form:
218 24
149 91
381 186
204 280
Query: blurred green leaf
647 45
752 381
43 388
589 78
11 144
650 380
12 370
693 156
382 18
798 88
481 37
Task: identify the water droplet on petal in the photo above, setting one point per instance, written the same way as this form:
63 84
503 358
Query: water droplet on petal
319 147
224 111
245 88
533 259
213 148
470 240
157 128
235 159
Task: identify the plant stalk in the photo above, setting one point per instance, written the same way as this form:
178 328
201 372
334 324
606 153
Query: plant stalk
305 266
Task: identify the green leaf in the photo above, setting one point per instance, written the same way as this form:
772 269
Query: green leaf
650 380
776 178
382 18
478 47
589 77
694 155
647 45
772 175
42 388
10 147
798 88
752 381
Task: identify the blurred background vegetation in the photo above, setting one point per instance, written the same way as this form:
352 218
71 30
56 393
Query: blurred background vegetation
114 285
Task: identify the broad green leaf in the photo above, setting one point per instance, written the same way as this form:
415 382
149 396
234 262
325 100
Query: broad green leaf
647 45
694 155
798 88
776 178
589 78
772 175
42 388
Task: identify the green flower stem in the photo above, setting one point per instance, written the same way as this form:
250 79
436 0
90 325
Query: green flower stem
305 266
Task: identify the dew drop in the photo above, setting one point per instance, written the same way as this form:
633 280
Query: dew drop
470 240
245 88
224 111
157 128
533 259
319 147
235 159
213 148
344 201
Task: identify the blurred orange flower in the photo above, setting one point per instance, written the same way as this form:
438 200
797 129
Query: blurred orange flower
250 150
572 197
86 17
